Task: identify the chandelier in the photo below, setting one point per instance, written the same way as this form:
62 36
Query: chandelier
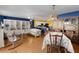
53 16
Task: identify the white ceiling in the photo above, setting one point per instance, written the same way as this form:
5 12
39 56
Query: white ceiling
35 10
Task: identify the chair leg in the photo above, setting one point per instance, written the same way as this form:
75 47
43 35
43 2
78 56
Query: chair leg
13 46
35 36
59 50
66 51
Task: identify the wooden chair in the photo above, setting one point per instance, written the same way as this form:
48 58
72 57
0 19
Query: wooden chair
15 40
55 47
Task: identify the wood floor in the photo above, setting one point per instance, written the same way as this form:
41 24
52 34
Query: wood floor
30 45
76 47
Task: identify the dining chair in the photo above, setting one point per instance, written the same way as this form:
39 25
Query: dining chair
55 44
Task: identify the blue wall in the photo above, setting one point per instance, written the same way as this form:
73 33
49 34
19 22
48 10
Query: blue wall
75 13
13 18
1 19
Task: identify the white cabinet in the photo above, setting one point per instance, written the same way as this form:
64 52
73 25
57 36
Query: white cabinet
1 38
71 23
21 27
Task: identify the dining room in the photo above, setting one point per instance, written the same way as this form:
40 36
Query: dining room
39 29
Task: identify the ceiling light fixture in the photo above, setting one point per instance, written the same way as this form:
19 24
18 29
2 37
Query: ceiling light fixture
53 16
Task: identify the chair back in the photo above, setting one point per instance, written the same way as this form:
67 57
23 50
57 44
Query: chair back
11 37
55 39
55 43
